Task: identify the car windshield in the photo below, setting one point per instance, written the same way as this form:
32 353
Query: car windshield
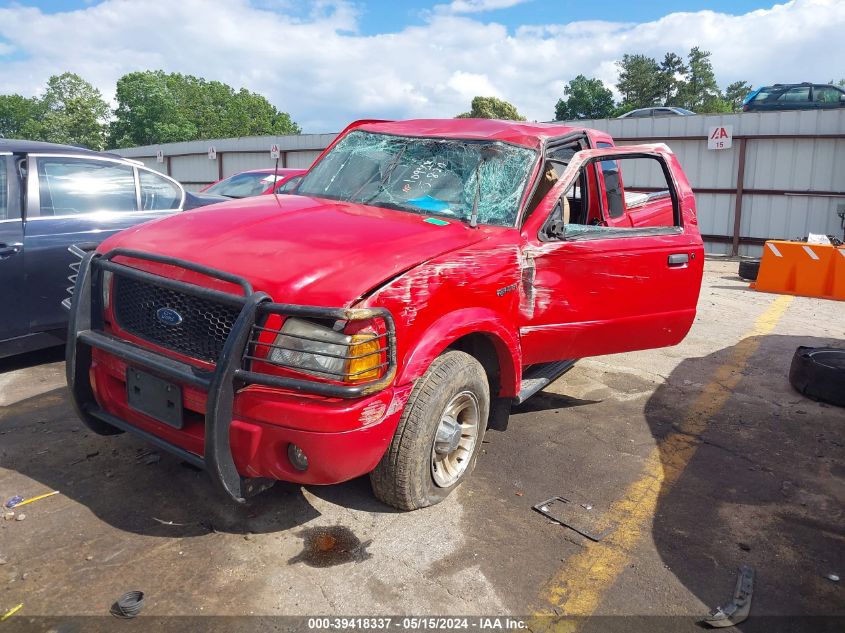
433 176
243 185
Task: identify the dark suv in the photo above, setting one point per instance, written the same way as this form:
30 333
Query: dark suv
53 197
805 96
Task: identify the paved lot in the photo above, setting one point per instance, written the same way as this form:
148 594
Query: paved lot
699 457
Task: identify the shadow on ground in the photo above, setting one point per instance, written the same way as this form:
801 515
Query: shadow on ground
133 487
765 487
32 359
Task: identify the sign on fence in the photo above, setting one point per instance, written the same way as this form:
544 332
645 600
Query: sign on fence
720 137
274 152
212 153
159 156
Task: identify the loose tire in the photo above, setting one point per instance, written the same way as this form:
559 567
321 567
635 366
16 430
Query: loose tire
439 434
819 373
748 269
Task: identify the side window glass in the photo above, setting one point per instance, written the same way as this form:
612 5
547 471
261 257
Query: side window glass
73 186
158 193
823 94
290 185
613 188
792 95
4 190
643 190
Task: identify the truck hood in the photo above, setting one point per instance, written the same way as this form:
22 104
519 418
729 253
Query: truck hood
298 249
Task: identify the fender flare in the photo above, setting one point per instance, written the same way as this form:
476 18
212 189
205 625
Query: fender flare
454 325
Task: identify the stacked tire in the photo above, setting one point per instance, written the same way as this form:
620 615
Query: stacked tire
748 269
819 373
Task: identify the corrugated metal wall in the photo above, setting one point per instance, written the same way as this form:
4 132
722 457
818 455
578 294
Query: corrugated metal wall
794 176
793 183
188 162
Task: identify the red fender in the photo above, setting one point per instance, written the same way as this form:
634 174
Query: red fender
452 326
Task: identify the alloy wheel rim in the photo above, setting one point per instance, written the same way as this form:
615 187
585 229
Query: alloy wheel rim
455 439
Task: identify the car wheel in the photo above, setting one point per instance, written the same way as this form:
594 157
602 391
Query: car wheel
439 434
819 373
748 269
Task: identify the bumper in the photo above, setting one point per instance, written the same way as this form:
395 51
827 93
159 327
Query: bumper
238 423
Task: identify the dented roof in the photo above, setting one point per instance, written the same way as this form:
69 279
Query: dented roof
517 132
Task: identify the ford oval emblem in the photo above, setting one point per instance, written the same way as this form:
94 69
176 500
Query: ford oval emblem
168 317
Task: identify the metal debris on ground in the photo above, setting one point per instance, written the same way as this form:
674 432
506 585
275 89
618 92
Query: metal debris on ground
737 610
129 605
576 516
38 498
832 577
11 612
163 522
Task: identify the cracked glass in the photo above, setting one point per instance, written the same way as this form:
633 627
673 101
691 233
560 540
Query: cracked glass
450 178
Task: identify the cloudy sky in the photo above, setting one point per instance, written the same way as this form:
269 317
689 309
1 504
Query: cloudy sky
328 62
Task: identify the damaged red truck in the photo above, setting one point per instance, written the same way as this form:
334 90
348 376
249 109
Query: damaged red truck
423 272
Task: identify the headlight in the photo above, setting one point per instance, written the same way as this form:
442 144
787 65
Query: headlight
325 352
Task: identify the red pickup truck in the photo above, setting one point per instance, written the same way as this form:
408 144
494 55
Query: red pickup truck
424 271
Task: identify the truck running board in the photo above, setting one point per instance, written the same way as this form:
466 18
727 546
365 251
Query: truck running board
539 376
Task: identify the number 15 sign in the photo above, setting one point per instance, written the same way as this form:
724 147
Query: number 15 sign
720 137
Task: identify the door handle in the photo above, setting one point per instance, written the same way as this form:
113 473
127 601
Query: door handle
678 259
7 250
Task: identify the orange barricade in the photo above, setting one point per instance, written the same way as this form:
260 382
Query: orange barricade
798 268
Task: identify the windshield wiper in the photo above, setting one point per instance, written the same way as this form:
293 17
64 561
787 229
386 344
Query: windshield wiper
391 166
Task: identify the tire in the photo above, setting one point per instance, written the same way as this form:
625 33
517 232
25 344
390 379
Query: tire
819 373
748 269
407 476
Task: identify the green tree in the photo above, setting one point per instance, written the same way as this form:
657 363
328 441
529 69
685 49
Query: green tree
671 78
148 112
71 111
700 89
735 94
639 81
157 107
585 99
491 108
18 116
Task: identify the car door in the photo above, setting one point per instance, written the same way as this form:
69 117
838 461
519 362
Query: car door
795 98
825 97
598 288
13 320
81 200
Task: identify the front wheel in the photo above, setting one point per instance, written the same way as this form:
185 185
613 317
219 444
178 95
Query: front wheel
439 435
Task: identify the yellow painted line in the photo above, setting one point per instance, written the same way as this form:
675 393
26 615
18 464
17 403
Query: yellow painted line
579 586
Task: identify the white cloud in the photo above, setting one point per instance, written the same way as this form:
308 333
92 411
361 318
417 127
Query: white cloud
476 6
316 65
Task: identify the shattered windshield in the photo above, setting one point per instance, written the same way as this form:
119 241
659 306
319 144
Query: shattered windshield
433 176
